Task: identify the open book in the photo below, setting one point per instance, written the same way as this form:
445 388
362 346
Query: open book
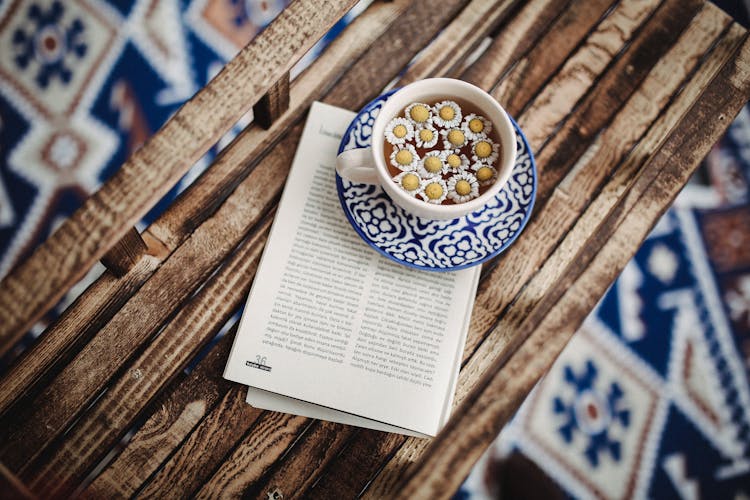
332 329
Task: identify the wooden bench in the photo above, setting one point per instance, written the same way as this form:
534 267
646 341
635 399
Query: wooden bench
620 101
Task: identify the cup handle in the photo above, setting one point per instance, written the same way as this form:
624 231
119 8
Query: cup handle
357 166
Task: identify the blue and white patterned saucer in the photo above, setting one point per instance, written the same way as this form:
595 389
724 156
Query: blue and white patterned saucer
444 245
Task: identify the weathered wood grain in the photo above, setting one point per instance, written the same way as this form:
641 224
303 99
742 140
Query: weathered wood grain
531 72
617 155
615 87
175 414
61 468
293 476
33 427
106 296
552 278
472 24
126 253
80 322
503 388
364 455
187 469
36 284
273 434
578 74
539 238
514 40
273 104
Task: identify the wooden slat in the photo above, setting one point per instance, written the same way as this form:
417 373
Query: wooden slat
176 413
106 296
61 468
126 253
182 474
37 283
255 456
502 390
292 146
546 57
28 431
615 86
516 39
273 104
334 430
471 25
295 474
539 238
66 337
578 74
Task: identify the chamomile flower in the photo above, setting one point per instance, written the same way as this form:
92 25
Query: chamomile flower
434 190
399 131
485 174
418 113
409 182
453 138
476 126
405 158
446 114
432 165
463 187
455 161
425 135
485 151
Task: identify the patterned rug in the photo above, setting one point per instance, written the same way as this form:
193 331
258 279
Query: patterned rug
651 397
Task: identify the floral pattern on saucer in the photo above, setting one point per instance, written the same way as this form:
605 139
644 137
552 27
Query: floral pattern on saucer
446 245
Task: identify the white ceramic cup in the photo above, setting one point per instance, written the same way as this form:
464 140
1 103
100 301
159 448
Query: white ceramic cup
367 165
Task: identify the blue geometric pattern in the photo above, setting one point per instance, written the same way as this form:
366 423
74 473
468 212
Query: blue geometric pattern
446 245
591 414
51 42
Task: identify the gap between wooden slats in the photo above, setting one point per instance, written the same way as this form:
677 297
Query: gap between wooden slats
505 384
36 284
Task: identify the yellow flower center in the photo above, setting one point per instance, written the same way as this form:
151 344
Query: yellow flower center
432 164
483 149
399 131
484 174
463 187
433 191
419 113
447 113
425 135
456 137
476 125
403 157
454 160
410 182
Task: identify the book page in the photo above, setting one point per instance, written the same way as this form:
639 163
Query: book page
331 322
